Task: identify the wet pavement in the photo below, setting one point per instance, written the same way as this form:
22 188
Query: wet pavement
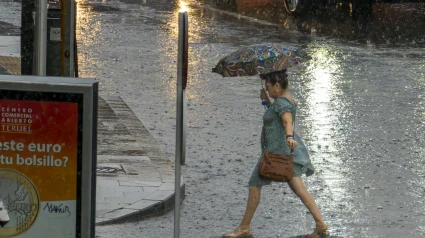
361 113
391 23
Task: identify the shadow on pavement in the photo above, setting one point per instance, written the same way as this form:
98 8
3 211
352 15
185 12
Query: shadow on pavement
363 22
300 236
306 235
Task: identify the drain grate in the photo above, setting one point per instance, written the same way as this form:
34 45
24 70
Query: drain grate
109 170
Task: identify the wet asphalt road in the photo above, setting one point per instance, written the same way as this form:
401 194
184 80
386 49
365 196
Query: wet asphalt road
361 113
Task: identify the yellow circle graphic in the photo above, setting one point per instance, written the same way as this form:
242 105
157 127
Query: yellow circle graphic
19 203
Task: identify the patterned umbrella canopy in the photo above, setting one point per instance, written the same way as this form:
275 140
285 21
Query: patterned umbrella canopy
259 59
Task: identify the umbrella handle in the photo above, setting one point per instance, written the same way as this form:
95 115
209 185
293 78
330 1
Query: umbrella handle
264 103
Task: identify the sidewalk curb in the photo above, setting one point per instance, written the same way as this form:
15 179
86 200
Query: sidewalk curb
157 209
235 15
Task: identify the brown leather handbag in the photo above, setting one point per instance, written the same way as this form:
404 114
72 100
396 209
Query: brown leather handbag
278 167
275 166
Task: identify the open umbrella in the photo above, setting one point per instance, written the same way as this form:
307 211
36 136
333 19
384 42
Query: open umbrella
259 59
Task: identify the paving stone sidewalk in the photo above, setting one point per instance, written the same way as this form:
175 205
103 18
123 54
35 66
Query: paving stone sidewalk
135 180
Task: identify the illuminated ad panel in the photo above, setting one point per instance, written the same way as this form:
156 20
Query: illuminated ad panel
39 167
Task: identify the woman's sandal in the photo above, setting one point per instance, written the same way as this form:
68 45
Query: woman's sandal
320 232
238 233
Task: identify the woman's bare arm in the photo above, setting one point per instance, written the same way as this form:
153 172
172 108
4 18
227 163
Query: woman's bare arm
287 124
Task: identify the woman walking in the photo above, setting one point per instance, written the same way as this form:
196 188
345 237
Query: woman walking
278 136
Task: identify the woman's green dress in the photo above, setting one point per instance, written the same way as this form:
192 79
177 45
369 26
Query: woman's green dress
273 138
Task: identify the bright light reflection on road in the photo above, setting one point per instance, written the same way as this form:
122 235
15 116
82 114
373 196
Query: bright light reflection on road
87 34
324 110
195 60
322 69
183 6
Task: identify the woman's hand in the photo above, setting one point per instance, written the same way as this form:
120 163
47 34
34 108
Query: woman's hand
291 142
264 95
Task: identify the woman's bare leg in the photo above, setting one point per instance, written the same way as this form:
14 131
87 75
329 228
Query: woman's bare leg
252 204
297 186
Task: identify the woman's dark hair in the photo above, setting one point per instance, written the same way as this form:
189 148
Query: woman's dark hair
276 77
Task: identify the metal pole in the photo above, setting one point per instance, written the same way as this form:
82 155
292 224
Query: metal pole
71 30
181 84
68 15
75 62
183 129
185 61
41 37
27 37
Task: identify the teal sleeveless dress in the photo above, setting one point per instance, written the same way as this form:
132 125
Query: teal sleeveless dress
273 138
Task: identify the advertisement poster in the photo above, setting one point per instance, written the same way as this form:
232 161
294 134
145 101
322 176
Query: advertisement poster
38 169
